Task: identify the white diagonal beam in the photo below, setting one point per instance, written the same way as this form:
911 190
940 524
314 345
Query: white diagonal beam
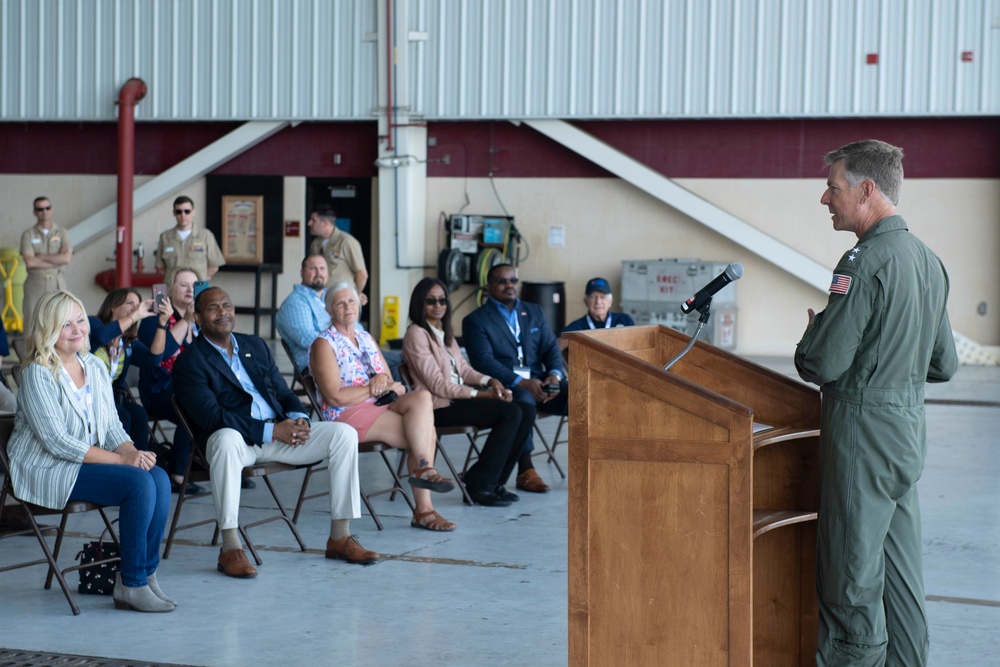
186 171
706 213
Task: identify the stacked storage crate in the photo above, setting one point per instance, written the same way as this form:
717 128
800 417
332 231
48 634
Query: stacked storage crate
654 289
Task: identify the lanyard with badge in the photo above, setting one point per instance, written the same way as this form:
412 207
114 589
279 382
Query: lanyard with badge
520 369
86 403
607 322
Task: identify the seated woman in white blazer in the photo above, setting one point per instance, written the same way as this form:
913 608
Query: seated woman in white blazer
68 444
462 395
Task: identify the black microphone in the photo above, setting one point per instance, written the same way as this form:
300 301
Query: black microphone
733 272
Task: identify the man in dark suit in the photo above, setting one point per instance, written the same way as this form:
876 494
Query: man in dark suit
243 413
510 340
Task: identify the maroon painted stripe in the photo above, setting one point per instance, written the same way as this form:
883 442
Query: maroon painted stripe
935 148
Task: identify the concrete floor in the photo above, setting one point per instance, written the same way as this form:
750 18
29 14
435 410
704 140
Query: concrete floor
494 591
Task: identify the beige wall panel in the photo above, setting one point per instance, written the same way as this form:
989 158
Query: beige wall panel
958 218
608 220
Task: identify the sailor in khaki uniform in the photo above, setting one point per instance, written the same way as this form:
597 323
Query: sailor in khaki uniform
46 250
185 246
342 252
883 334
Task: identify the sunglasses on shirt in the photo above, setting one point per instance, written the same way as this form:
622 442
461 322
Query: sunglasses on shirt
431 301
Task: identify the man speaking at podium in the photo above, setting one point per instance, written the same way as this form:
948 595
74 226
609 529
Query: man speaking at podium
884 333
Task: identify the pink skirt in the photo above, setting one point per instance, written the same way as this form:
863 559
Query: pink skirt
362 416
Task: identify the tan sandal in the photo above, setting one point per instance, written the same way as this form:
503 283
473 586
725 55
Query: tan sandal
432 521
428 478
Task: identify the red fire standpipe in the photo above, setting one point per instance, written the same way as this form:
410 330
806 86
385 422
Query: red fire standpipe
130 94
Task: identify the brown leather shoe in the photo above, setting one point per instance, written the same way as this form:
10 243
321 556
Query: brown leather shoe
234 563
530 481
348 548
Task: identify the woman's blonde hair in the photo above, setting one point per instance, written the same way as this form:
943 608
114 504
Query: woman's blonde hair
47 319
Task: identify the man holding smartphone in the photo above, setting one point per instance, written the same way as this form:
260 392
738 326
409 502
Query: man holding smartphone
510 340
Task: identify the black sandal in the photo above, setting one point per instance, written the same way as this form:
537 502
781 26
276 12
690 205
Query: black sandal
432 482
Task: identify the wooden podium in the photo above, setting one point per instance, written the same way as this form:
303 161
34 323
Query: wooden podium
692 506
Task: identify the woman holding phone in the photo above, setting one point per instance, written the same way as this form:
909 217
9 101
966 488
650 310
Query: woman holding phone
156 380
113 340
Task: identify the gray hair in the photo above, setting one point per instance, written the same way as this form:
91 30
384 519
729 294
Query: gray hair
337 287
874 159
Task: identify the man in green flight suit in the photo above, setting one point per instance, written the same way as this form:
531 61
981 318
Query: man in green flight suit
884 333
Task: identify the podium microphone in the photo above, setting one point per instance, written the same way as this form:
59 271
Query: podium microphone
733 272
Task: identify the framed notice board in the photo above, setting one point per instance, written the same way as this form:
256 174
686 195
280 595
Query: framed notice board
232 203
243 229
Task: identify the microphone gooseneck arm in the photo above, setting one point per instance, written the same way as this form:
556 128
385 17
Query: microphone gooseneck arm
705 314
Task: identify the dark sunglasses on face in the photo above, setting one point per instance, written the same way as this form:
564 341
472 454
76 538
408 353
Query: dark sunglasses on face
185 211
504 281
430 301
43 208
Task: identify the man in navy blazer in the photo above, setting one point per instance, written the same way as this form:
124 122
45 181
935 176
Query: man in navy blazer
510 340
242 412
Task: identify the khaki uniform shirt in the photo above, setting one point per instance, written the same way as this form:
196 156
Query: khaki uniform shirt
342 254
38 243
198 252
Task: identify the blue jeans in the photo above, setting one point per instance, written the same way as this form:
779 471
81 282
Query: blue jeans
144 501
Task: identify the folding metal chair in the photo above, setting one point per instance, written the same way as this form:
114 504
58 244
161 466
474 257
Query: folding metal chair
297 381
30 511
197 470
364 448
547 449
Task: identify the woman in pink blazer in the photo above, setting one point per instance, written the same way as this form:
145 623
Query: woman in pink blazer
462 395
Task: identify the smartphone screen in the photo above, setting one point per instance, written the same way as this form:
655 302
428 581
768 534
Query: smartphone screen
200 286
159 294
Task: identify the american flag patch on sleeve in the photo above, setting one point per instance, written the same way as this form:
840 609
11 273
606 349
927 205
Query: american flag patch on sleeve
841 284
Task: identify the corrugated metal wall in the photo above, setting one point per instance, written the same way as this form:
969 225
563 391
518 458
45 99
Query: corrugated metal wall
706 58
201 59
316 59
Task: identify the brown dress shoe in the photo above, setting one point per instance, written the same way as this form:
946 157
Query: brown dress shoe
348 548
234 563
530 481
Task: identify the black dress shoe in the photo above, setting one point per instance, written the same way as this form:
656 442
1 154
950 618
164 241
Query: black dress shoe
506 495
248 483
191 489
486 498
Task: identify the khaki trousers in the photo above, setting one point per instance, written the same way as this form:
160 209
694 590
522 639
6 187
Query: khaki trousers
335 444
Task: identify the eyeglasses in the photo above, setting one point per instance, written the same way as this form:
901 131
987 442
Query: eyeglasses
431 301
504 281
43 208
184 211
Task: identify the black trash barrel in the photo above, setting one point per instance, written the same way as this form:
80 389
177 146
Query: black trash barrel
551 296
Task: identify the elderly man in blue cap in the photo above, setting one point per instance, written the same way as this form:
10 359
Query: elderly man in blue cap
599 316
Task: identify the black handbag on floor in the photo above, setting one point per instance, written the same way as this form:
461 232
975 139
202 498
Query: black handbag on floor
98 579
